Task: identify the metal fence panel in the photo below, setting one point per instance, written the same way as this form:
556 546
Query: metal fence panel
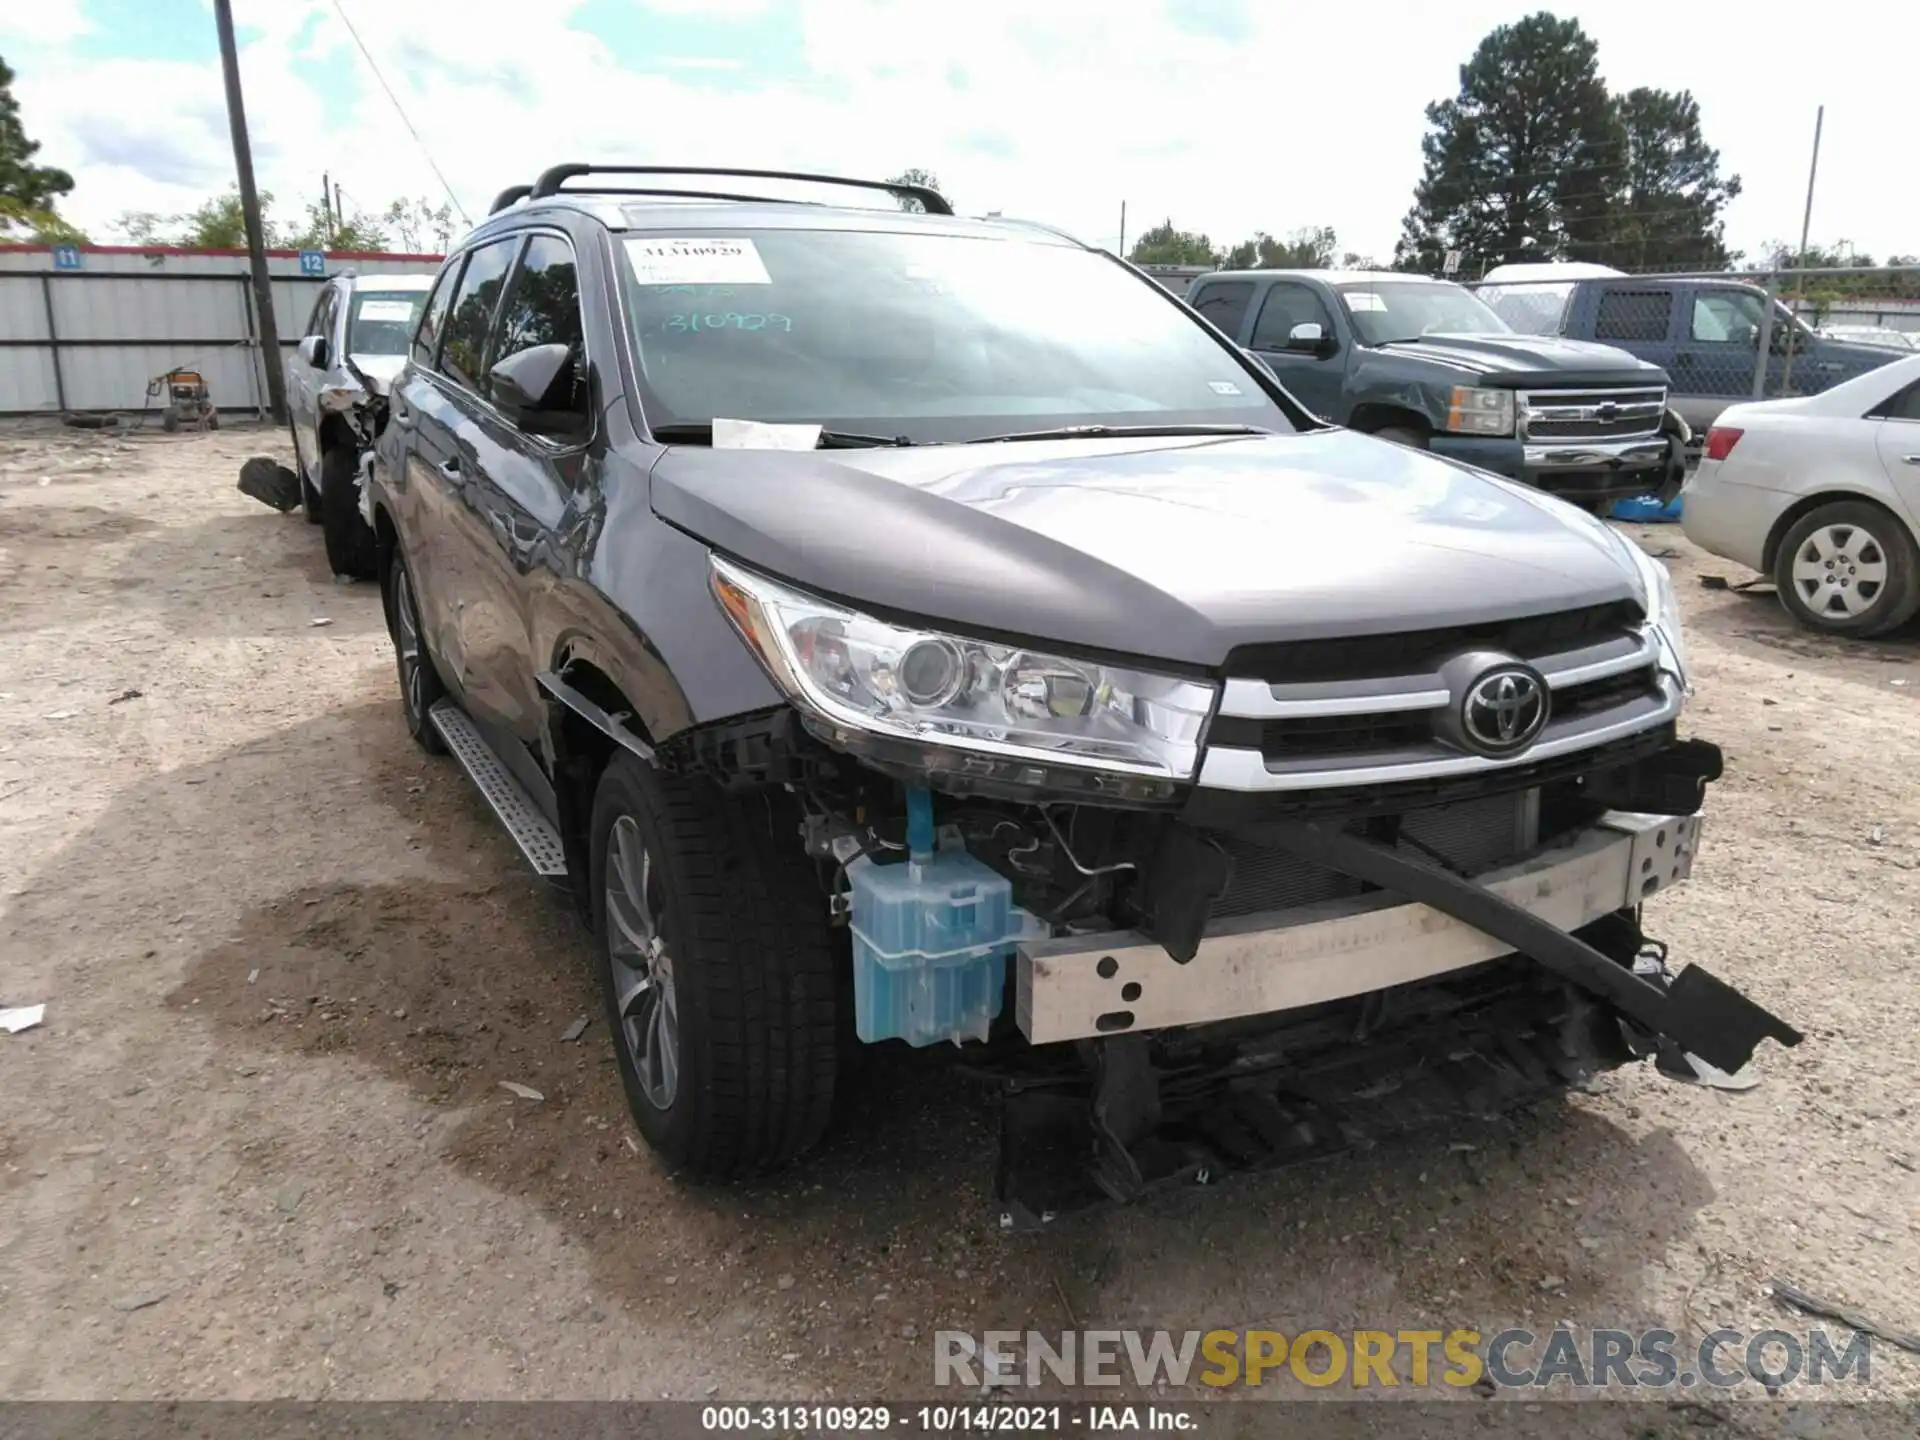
26 378
93 338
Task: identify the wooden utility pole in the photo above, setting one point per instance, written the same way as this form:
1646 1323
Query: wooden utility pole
267 331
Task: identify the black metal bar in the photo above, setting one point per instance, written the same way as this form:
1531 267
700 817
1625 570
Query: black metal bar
1699 1012
53 344
688 195
509 196
552 179
256 353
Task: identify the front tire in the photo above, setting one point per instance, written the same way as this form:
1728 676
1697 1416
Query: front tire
1848 568
420 687
350 544
717 969
1406 435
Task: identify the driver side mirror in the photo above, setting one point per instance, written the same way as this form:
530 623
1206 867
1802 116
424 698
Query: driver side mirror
533 387
313 350
1309 337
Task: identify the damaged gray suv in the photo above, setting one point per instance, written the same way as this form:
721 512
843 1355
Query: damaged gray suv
899 628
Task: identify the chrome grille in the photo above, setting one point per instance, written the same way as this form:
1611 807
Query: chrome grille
1384 729
1596 414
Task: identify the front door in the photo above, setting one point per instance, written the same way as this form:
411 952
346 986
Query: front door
517 492
1720 342
303 388
1313 377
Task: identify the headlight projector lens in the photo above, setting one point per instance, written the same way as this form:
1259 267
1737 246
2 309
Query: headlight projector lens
931 671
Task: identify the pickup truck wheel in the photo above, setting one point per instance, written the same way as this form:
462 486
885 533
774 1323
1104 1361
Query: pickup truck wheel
350 544
717 970
1848 568
420 687
1406 435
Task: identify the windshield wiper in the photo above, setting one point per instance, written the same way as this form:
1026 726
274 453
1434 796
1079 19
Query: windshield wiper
1121 432
702 434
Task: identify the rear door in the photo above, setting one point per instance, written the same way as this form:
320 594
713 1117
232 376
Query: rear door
516 493
1313 377
441 456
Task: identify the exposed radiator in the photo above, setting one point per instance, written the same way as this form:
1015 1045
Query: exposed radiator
1471 836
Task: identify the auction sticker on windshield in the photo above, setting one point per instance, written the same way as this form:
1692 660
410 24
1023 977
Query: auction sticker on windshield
659 261
401 310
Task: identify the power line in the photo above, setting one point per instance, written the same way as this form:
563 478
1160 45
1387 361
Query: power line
401 112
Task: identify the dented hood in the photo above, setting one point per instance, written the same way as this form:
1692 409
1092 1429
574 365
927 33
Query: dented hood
380 370
1172 549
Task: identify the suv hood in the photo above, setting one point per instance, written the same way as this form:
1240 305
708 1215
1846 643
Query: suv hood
382 370
1510 361
1170 550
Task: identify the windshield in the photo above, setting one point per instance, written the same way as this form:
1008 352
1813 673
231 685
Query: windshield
926 336
1385 311
1532 309
382 321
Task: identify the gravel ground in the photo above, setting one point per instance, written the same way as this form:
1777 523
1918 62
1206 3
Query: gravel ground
260 1147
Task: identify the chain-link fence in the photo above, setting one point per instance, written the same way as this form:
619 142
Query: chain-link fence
1724 337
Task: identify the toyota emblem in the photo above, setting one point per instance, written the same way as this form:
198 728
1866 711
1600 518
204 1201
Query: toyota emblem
1505 710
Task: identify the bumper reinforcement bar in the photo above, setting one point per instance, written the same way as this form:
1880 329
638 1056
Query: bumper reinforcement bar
1698 1012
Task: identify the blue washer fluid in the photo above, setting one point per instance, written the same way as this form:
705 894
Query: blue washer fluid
931 939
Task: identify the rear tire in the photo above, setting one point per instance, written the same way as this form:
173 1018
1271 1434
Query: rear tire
350 544
717 968
1848 568
420 687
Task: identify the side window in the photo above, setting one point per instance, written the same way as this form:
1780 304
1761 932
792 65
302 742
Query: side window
463 358
1286 306
426 340
543 308
1903 406
1633 315
1726 317
1225 304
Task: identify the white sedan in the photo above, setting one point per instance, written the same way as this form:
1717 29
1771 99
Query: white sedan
1822 493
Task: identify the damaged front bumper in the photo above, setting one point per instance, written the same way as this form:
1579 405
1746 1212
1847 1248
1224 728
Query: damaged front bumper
1270 1038
1092 985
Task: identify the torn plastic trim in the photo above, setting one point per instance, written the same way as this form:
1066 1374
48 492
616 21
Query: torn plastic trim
363 484
608 725
1697 1011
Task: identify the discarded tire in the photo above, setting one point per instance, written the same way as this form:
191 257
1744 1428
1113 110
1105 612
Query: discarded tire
271 483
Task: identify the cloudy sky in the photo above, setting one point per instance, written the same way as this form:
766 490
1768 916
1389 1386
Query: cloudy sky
1228 115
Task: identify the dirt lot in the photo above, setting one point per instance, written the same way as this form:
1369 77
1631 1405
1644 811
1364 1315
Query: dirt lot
288 960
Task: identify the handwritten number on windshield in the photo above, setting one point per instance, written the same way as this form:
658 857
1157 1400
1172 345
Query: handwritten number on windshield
695 322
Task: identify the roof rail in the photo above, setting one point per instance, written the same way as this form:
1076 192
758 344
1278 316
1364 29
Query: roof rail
551 181
509 196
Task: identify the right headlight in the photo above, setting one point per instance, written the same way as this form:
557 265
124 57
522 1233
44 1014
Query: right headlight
1663 610
935 688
